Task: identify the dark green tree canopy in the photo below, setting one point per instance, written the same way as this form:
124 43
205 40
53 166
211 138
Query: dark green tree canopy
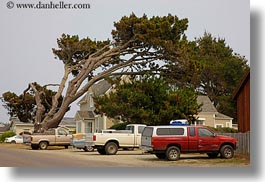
24 106
149 101
212 67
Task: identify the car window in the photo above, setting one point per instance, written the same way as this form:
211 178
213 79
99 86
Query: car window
192 131
141 129
170 131
148 131
61 132
203 132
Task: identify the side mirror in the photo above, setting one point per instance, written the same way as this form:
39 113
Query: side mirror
215 134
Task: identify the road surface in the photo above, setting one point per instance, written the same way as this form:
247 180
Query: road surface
15 155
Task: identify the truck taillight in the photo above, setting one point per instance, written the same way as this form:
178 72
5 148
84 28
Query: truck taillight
31 138
94 137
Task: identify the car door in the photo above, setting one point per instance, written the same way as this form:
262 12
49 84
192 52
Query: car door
62 137
207 140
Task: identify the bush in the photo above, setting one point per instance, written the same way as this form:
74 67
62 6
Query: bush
6 135
224 130
119 126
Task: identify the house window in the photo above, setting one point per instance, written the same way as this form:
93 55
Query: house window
228 124
199 122
219 126
88 127
79 127
91 101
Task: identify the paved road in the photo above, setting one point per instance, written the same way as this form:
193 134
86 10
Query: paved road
21 156
12 157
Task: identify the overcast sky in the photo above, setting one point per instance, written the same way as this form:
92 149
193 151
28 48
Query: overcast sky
28 35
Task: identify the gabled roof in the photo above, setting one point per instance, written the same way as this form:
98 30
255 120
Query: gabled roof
16 121
86 114
98 89
222 116
244 80
67 121
207 104
4 128
101 87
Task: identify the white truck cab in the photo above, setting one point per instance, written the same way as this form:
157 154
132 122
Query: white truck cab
109 143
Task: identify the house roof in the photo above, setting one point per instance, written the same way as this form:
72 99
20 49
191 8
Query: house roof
244 80
222 116
67 121
15 120
86 114
4 128
98 89
101 87
207 104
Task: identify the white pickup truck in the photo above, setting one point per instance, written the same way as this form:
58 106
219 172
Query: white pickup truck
109 143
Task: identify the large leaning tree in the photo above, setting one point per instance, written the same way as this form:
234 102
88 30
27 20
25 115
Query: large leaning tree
24 106
136 44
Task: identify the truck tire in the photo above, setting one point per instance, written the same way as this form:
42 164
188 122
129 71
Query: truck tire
212 155
160 155
88 149
111 148
101 151
173 153
227 152
43 145
34 147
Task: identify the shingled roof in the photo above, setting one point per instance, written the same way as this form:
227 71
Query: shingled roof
207 104
86 114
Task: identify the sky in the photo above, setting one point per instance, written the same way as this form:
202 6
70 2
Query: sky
28 35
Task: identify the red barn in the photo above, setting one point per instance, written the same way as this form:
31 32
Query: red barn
242 96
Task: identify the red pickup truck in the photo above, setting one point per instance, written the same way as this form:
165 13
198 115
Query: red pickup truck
167 142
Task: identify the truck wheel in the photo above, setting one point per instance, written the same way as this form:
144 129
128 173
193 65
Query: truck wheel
212 155
34 147
227 152
43 145
161 155
173 153
111 148
88 149
101 151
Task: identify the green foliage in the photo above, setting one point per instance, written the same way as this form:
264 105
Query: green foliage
167 31
149 101
224 130
212 67
24 106
119 126
73 50
6 135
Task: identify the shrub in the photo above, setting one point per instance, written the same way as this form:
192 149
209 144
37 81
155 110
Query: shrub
224 130
6 135
119 126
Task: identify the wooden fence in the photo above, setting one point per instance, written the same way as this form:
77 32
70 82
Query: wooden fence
243 142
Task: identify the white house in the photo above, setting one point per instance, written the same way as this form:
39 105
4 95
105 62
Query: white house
209 116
